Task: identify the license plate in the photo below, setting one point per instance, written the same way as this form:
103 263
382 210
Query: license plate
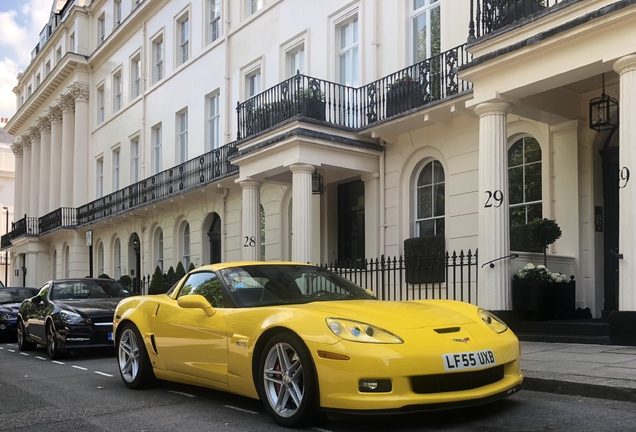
110 336
468 360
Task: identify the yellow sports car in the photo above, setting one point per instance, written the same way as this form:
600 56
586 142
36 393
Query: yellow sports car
303 340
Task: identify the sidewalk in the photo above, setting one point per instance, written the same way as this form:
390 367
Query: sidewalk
600 371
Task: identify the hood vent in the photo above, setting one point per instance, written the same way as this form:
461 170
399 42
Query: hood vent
447 330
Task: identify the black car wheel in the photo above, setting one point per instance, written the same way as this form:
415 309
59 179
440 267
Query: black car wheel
51 343
133 360
286 382
24 344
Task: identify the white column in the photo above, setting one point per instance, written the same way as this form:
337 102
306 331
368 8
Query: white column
55 116
34 210
301 212
68 128
80 155
26 176
17 148
626 68
494 237
45 163
372 215
251 220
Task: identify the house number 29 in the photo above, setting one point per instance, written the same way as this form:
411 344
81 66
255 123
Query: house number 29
250 241
623 177
495 198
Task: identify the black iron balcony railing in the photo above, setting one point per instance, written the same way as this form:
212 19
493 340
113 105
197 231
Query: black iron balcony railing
191 174
64 217
416 86
487 16
26 226
5 240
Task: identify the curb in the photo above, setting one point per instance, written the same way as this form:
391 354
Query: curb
599 391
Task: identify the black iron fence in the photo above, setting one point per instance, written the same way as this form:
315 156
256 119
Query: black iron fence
25 226
487 16
61 218
451 276
416 86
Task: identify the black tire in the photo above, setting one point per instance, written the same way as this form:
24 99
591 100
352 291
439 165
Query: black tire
132 358
286 381
51 343
24 343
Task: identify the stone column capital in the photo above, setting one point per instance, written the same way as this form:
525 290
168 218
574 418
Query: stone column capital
79 91
44 123
67 102
300 167
17 147
494 107
625 64
54 113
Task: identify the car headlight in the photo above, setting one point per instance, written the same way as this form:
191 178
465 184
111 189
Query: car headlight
71 317
496 324
5 317
356 331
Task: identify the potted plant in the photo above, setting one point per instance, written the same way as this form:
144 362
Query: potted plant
536 291
403 94
311 102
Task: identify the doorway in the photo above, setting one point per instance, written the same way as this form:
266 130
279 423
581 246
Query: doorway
609 157
351 221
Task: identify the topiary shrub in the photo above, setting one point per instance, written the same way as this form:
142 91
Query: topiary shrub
169 279
424 259
126 281
180 271
103 276
544 232
157 285
191 267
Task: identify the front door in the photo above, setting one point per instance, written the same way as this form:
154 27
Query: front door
610 227
351 221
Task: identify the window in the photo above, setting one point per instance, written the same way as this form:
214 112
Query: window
296 60
425 29
186 246
115 170
214 20
71 43
156 149
348 52
157 58
254 6
47 68
134 160
182 138
116 13
117 91
29 91
101 29
100 260
37 80
159 245
99 192
524 181
100 104
135 76
205 284
58 55
430 198
117 259
213 131
253 83
183 50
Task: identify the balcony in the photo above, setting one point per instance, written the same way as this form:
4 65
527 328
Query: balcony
355 108
489 16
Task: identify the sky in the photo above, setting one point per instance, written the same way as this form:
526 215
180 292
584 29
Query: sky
20 24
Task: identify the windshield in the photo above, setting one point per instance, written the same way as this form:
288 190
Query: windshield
259 285
16 295
88 289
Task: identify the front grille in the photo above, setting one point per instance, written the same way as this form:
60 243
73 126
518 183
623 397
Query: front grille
449 382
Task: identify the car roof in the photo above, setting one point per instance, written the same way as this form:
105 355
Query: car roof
220 266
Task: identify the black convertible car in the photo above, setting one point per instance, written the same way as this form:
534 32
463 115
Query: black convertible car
70 314
10 300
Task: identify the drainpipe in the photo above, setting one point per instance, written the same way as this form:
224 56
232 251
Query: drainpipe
226 192
229 109
382 201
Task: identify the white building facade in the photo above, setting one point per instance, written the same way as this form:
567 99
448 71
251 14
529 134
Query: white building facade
215 130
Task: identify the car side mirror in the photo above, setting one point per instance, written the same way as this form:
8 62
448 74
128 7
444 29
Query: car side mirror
196 301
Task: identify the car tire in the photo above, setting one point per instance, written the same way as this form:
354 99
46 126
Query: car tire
51 343
132 358
286 381
24 344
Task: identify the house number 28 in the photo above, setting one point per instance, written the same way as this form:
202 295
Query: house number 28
623 177
250 241
495 198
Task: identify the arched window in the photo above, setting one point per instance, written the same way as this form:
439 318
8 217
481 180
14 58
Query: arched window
117 259
186 246
67 261
524 181
159 248
100 260
54 275
431 189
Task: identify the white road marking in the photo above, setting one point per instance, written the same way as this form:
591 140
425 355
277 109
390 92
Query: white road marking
79 367
104 374
24 354
182 394
320 429
241 409
41 358
11 350
58 362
